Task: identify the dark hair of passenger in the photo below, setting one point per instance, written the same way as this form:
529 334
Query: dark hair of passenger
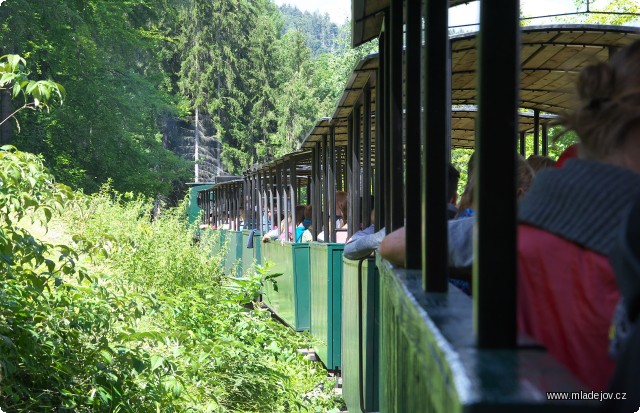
308 212
609 103
454 177
300 209
341 204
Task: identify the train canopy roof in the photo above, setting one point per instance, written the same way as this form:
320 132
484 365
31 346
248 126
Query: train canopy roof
551 57
367 16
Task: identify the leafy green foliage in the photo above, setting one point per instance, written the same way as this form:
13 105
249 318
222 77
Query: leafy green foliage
151 325
106 55
14 78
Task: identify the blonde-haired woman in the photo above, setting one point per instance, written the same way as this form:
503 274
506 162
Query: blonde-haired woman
567 292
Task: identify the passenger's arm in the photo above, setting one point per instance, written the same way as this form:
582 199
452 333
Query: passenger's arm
393 248
363 246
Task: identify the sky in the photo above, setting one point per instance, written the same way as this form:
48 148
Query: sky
340 10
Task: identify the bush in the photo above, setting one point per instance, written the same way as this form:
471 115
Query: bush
152 325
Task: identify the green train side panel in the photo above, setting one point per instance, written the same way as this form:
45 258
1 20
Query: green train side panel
370 334
429 362
292 300
233 260
250 256
219 242
193 210
326 301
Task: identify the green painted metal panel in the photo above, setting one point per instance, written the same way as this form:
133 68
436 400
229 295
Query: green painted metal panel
257 248
292 300
429 361
326 301
193 210
370 334
218 242
302 286
250 256
233 259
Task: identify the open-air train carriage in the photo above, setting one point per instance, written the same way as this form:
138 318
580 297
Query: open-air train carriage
440 350
424 346
278 187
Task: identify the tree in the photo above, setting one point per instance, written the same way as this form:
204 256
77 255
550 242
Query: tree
105 53
14 82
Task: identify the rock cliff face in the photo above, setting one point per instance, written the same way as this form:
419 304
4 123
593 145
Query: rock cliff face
179 137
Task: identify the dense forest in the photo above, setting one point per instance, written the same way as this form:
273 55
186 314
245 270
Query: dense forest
152 85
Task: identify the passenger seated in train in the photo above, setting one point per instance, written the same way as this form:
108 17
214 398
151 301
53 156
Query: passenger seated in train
341 219
364 242
539 162
569 221
275 232
303 233
288 235
460 233
366 231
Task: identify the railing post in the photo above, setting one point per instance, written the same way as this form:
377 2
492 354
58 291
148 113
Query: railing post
395 149
495 267
434 142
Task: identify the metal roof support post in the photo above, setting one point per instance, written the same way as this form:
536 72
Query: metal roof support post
258 214
495 266
386 114
245 193
340 185
260 205
229 189
545 140
237 200
379 196
350 182
355 155
223 206
434 137
325 190
221 200
293 188
285 199
396 167
412 193
367 166
536 131
331 181
202 197
279 195
316 191
274 219
254 201
227 206
523 144
216 207
212 207
232 205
